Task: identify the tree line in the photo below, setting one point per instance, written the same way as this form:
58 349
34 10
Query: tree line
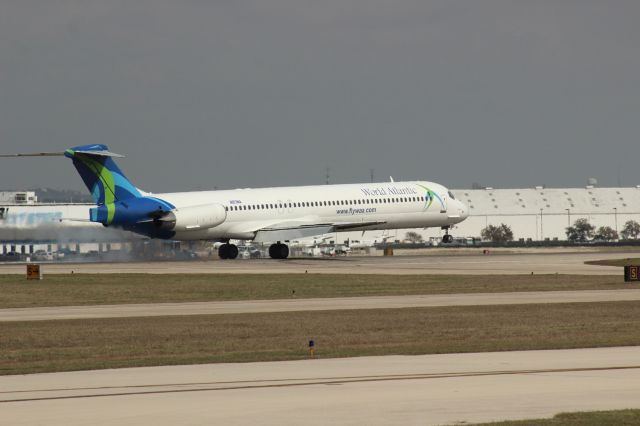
580 231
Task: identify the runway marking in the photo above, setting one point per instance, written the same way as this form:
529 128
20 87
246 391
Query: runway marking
277 383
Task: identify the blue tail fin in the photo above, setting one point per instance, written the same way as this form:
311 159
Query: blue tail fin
103 178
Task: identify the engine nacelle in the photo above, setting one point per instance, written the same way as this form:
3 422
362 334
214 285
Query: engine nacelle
192 218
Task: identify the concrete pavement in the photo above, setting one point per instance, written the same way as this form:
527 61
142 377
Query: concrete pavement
320 304
398 390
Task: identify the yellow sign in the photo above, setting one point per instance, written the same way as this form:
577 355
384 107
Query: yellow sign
34 272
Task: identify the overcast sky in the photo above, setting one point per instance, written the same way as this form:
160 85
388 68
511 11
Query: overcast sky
249 93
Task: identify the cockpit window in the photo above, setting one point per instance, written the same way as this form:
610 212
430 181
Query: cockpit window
451 195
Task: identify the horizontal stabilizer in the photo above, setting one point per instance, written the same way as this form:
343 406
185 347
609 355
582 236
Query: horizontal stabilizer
101 153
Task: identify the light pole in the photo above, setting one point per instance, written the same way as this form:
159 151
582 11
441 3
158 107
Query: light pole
568 217
541 229
615 217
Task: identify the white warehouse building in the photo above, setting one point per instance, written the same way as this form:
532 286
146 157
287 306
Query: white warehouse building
544 213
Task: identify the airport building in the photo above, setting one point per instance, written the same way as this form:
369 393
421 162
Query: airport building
27 226
540 213
18 197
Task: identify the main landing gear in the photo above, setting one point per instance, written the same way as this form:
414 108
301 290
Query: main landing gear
228 251
278 251
446 238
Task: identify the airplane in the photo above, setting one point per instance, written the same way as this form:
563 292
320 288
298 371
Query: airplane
273 215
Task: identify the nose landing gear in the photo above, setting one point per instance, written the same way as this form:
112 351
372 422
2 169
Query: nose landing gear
446 238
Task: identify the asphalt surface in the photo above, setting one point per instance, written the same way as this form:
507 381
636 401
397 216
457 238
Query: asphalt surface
539 262
398 390
321 304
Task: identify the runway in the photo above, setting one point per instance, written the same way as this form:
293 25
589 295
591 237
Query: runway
398 390
539 262
320 304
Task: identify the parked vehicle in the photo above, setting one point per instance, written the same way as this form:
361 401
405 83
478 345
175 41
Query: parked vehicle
12 256
42 255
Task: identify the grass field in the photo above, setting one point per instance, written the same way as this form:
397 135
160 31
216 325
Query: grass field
44 346
595 418
83 289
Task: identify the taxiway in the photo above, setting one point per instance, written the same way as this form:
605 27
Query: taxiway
319 304
399 390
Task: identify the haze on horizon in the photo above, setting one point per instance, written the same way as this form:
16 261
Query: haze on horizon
247 93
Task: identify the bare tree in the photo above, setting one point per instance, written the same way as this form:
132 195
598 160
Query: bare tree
414 237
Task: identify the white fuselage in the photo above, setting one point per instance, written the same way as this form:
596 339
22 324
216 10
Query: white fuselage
389 205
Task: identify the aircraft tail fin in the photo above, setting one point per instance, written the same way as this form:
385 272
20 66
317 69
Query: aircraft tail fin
101 174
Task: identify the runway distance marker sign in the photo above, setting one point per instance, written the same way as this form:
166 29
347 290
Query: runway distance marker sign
631 273
34 272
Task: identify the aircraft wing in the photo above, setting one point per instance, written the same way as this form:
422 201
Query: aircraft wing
294 230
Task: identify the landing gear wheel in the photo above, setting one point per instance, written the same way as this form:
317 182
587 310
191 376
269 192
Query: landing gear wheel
233 251
228 251
278 251
223 251
447 239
